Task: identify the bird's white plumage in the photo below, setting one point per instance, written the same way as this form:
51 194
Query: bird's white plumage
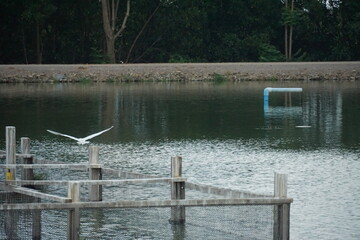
80 140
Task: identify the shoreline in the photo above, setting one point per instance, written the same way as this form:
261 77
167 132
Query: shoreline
157 72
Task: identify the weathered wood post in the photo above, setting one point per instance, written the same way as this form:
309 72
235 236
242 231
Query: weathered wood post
74 214
10 152
28 174
281 212
177 192
95 173
10 174
36 226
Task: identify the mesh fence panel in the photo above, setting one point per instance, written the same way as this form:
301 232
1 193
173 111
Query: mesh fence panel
61 174
230 222
15 224
54 224
24 224
212 222
215 222
137 191
28 224
202 222
11 197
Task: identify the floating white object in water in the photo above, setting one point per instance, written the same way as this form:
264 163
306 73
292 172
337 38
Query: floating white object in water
81 140
303 126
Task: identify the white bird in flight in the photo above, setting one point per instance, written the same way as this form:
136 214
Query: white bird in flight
81 140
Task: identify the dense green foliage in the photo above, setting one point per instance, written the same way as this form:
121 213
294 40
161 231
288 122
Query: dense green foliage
67 31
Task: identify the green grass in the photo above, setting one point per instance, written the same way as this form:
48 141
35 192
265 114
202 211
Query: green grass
218 78
85 80
272 79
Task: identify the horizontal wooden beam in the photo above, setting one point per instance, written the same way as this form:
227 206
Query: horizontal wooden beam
8 189
230 193
123 174
32 166
225 192
98 182
35 193
153 203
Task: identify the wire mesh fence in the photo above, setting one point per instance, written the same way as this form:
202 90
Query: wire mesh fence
214 222
202 222
33 224
86 201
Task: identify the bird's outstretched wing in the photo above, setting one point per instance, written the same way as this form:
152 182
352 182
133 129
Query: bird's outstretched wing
97 134
64 135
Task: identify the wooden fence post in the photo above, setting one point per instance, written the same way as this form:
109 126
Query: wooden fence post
281 212
11 224
74 214
95 173
26 174
10 152
177 192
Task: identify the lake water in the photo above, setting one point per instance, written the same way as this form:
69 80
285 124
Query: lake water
222 132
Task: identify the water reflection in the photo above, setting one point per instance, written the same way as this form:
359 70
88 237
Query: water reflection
220 130
156 112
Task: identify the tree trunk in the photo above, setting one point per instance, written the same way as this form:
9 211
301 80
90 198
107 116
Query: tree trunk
291 32
24 46
286 43
109 15
286 35
110 49
38 44
109 34
290 43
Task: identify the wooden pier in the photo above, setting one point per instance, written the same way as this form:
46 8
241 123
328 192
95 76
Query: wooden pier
19 179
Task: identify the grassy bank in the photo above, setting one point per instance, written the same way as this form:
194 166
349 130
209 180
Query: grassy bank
307 71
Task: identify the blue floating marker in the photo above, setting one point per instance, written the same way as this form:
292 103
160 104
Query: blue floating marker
268 90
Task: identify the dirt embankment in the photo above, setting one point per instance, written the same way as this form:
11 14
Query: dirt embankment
306 71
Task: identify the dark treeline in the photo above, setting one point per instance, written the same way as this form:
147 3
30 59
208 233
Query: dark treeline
132 31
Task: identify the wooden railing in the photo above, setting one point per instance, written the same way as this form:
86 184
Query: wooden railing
177 200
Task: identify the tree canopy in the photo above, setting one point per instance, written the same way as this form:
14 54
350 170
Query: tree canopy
67 31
